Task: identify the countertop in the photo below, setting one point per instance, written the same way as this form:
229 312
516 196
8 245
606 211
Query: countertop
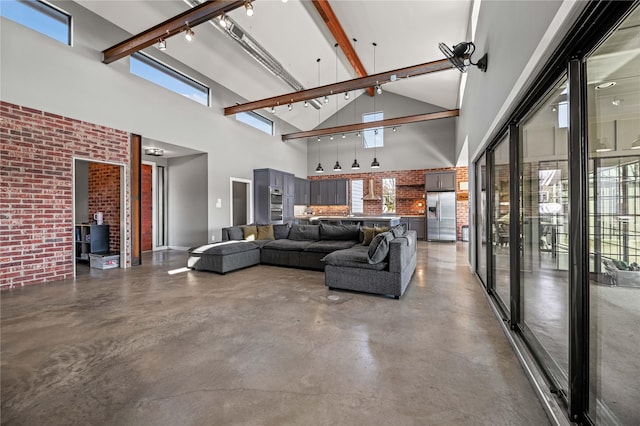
354 217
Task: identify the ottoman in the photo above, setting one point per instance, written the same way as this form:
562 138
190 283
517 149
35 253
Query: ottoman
224 257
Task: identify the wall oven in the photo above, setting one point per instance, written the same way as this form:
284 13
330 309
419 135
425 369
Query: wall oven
275 205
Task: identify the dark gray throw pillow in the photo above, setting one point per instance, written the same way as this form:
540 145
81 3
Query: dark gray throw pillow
339 232
235 233
398 230
281 232
305 233
379 247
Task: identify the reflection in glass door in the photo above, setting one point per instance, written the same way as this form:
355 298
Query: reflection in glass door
613 96
481 215
500 223
544 210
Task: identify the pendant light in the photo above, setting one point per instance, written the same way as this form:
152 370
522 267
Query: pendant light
375 164
355 165
337 167
319 169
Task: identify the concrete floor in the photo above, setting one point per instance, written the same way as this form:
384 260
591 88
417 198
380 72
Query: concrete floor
260 346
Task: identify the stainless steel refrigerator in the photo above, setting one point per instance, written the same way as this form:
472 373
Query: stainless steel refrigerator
441 216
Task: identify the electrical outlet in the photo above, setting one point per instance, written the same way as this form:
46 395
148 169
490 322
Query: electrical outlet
213 238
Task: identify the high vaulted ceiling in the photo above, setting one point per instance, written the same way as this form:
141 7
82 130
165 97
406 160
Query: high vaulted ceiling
406 32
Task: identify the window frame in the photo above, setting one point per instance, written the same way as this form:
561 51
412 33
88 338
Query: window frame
378 142
171 72
353 196
255 116
50 11
392 195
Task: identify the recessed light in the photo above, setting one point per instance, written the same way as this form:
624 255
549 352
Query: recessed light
605 85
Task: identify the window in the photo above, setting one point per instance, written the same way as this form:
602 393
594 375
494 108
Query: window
256 120
160 74
389 195
373 138
357 192
40 17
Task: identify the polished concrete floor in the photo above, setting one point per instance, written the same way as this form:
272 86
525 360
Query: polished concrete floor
260 346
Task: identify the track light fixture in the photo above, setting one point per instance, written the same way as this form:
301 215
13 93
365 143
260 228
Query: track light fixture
358 134
379 89
394 128
326 99
249 7
460 56
346 96
318 139
290 107
162 44
188 33
273 110
344 136
306 104
331 137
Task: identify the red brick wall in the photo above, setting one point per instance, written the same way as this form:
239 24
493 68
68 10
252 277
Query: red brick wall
462 203
37 151
104 196
408 197
147 208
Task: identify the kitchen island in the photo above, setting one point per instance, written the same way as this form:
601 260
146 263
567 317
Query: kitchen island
368 221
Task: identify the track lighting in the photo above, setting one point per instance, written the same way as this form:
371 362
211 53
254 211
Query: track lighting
326 99
162 44
306 104
375 164
290 107
318 139
379 89
188 33
394 128
346 96
344 136
358 133
249 7
273 110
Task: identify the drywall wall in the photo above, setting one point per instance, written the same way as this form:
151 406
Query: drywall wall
518 36
41 73
187 201
425 145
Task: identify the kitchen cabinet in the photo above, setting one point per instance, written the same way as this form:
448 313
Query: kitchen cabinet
287 208
91 239
330 192
416 224
440 181
302 192
264 181
289 188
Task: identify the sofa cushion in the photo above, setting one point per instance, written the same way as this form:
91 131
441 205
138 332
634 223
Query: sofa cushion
287 245
355 257
250 232
304 233
235 233
339 232
327 246
224 248
281 231
379 247
265 232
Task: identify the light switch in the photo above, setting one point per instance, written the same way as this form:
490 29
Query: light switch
219 203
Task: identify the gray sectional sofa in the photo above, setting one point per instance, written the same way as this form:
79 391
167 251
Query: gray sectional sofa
384 265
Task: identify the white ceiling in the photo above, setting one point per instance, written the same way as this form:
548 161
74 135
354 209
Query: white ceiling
406 32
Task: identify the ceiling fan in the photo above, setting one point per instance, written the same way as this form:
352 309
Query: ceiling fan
461 53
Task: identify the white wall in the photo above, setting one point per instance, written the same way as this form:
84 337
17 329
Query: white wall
430 144
41 73
518 36
186 204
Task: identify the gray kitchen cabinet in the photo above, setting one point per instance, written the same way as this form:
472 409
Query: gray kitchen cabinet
266 205
302 192
330 192
289 185
416 224
440 181
287 209
276 179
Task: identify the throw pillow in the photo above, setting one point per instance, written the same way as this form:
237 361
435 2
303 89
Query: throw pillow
305 233
235 233
368 233
398 231
281 232
250 232
379 247
265 232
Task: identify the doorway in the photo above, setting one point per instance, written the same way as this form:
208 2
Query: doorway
241 202
98 211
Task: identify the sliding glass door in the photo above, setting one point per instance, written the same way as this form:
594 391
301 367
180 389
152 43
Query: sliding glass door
501 247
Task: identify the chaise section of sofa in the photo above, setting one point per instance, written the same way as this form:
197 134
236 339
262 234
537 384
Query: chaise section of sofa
354 269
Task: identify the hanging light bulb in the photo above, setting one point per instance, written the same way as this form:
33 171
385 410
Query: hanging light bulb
249 8
306 104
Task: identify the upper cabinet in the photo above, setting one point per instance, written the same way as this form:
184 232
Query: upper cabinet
330 192
302 191
440 181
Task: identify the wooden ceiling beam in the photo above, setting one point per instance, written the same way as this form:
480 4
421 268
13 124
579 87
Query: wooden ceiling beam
389 122
341 87
331 21
194 17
